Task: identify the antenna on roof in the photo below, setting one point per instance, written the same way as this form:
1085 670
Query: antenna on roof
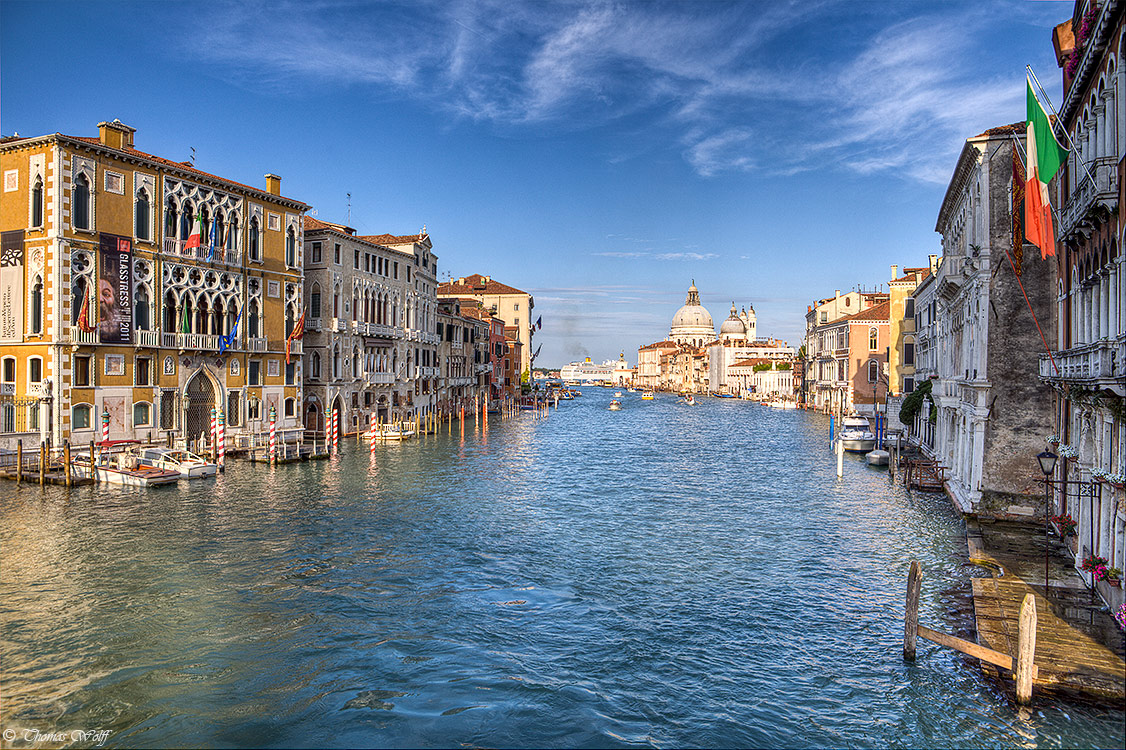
192 157
349 219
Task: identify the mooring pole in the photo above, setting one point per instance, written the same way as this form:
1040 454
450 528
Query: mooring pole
1026 649
911 614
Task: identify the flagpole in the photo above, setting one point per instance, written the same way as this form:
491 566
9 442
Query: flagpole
1059 119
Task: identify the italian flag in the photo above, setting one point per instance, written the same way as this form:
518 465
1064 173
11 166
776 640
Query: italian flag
1045 155
195 239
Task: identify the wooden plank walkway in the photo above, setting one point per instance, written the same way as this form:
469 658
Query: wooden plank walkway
1079 648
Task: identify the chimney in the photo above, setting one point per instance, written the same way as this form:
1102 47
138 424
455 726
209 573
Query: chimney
934 263
273 184
894 272
115 134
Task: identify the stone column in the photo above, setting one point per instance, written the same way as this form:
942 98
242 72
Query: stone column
1100 129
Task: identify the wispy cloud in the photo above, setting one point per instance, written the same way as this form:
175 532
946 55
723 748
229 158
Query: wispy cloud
686 256
735 87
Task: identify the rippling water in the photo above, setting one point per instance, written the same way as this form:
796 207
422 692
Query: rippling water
662 576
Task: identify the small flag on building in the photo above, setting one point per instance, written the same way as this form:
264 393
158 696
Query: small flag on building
539 322
297 332
83 322
1045 155
186 323
226 342
214 241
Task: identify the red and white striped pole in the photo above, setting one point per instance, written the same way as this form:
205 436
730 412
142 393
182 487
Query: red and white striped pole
105 425
335 431
273 435
371 435
222 439
214 433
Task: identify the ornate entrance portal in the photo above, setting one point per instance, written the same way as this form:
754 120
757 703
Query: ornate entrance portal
197 420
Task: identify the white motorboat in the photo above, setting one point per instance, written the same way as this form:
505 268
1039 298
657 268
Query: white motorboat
647 395
877 458
857 435
116 462
187 463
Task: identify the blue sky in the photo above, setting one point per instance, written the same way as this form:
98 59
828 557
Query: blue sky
599 155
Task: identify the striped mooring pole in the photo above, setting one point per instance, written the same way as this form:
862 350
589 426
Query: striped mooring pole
105 424
214 434
371 436
335 431
222 427
273 435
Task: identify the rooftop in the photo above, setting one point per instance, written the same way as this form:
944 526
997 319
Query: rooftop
475 284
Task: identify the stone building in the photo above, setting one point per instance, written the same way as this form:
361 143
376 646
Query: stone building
846 352
144 290
508 303
692 323
464 357
371 340
993 412
1087 372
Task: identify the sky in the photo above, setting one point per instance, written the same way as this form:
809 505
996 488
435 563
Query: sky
598 155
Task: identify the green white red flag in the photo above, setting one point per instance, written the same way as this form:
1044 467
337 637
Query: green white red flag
195 239
1045 156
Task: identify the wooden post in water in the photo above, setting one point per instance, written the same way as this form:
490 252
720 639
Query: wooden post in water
911 615
66 461
1026 649
42 463
840 458
19 461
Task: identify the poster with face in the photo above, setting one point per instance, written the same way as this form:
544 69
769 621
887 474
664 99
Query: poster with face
115 289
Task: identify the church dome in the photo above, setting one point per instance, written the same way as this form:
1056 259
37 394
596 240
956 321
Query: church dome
733 326
692 324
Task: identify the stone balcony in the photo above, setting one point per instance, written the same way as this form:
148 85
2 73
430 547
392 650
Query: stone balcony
380 378
1088 195
1101 364
178 249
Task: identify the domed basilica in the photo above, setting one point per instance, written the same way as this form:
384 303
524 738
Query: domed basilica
692 325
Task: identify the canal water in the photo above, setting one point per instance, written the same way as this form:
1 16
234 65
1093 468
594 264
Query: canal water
662 576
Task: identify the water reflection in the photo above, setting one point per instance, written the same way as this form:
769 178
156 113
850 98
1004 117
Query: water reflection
663 575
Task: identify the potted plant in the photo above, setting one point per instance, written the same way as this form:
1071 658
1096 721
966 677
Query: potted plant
1065 525
1096 566
1068 453
1114 576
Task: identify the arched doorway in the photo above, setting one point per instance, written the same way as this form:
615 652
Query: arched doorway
197 420
314 420
338 405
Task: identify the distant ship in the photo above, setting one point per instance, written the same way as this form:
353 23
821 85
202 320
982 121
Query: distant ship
588 372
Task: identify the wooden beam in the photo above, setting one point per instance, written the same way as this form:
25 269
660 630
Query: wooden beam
911 614
972 649
1026 649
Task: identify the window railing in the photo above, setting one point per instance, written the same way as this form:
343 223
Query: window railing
150 339
78 336
194 341
257 344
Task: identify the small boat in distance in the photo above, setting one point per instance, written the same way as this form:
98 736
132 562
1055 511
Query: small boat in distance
647 395
688 399
188 464
615 405
617 394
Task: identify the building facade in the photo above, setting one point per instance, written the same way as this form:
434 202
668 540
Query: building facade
846 344
370 332
993 412
143 291
508 303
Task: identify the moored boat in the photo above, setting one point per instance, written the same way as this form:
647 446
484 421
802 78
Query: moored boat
615 405
186 463
116 462
857 435
647 395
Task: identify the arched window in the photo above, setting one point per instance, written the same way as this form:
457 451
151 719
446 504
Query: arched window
170 219
873 339
37 305
220 231
232 316
169 312
290 321
37 203
873 371
290 407
142 413
335 362
141 216
78 294
355 362
232 231
253 250
80 417
252 320
141 317
315 366
336 303
186 221
80 202
290 248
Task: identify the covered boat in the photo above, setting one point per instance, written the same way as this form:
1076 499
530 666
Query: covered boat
188 464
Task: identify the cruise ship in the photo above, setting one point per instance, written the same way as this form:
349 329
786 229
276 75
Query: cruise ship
588 372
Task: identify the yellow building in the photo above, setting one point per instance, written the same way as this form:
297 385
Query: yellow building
109 307
901 333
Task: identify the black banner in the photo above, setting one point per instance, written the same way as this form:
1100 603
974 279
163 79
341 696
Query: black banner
115 289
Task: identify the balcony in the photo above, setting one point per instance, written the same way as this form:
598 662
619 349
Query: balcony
190 341
380 378
313 324
296 347
1098 365
149 339
1088 196
178 249
359 327
257 344
78 336
337 325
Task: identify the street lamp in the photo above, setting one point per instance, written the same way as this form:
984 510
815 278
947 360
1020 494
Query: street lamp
1047 461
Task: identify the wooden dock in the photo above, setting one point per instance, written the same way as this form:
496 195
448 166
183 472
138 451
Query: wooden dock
1079 649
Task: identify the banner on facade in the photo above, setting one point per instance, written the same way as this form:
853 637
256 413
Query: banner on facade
115 289
11 285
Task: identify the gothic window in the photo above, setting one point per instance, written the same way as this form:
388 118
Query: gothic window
37 305
255 253
170 219
290 248
232 232
315 303
80 200
78 294
141 216
289 320
169 312
141 311
37 203
232 317
335 362
873 339
186 221
252 320
315 366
